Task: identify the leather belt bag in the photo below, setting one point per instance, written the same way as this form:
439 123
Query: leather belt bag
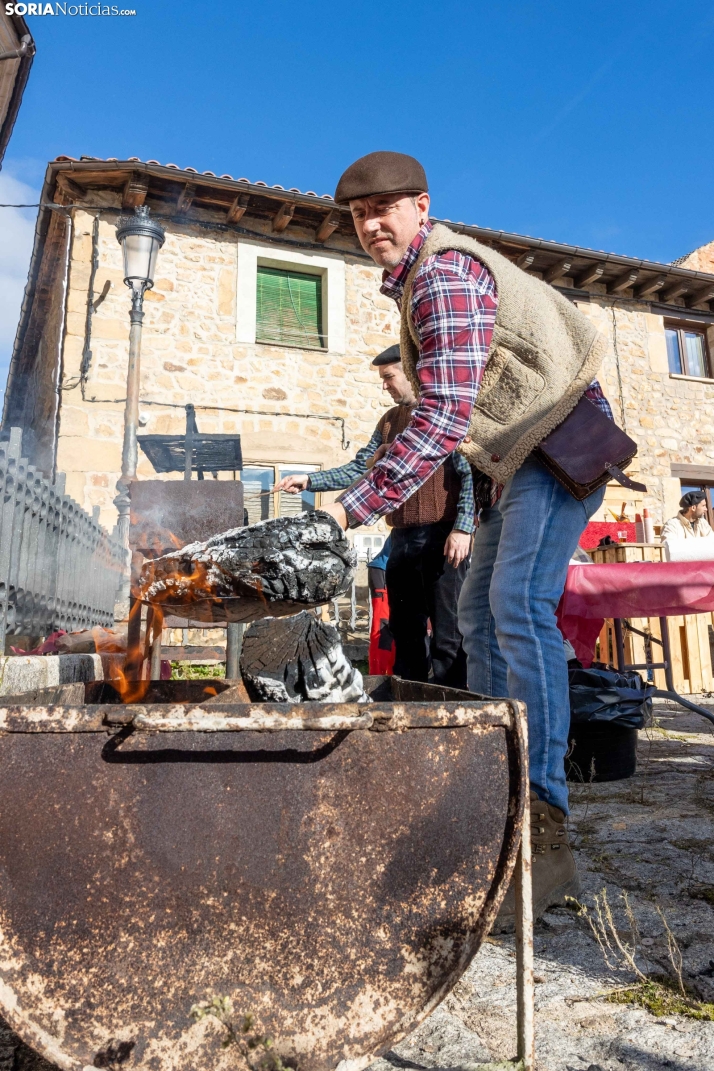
588 450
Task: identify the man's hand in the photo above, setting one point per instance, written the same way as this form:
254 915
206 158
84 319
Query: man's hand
293 484
457 547
377 455
337 511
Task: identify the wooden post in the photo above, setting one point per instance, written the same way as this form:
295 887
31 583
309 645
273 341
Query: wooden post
157 627
234 643
525 991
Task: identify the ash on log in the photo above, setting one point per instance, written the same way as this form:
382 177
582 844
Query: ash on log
270 569
298 659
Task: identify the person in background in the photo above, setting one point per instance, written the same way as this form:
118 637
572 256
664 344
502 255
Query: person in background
691 521
381 640
431 541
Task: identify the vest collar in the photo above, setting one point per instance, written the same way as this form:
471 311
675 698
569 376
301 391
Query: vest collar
393 282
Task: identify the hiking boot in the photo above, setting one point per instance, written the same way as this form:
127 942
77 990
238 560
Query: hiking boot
554 872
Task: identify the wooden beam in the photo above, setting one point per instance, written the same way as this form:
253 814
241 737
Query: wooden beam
623 282
526 259
701 297
283 216
676 289
651 286
329 224
70 189
185 199
135 190
558 270
693 472
590 275
238 208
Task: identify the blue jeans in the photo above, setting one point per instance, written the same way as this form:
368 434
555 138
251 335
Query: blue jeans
507 610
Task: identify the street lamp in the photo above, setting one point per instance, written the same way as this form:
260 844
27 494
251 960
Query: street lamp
141 239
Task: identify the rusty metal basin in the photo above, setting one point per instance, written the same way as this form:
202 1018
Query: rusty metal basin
330 869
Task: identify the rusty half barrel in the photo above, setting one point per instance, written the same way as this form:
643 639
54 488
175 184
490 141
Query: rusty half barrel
332 869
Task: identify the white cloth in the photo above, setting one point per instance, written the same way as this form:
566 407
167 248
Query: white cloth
690 550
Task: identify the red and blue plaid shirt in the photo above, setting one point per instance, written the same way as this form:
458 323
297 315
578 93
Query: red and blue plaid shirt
453 310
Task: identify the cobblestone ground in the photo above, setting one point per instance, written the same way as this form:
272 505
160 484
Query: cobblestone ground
652 837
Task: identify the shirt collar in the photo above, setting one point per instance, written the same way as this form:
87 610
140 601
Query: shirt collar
393 282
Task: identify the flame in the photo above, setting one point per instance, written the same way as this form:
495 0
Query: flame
129 677
210 690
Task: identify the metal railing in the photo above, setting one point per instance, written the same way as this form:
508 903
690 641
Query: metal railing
59 569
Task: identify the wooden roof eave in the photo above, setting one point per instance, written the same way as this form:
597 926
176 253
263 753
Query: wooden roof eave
547 254
22 73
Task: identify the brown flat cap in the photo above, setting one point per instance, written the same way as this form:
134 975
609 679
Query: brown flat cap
381 172
391 355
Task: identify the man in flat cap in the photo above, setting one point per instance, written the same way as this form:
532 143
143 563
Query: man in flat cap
430 543
497 359
691 521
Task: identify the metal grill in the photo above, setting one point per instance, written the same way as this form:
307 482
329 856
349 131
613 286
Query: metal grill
59 569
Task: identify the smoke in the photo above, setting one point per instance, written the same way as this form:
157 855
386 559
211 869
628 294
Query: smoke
17 227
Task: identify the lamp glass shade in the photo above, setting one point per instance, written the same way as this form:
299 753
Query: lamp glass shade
140 238
140 251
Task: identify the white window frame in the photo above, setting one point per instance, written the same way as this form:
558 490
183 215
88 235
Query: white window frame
332 270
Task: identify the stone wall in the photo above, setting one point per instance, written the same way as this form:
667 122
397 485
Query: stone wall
190 353
670 417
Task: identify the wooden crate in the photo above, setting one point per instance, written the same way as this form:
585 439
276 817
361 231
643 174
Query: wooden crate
690 637
628 552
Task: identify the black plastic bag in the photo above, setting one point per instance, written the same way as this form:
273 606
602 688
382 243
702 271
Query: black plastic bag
599 694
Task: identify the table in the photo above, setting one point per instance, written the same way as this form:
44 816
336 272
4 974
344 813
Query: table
634 589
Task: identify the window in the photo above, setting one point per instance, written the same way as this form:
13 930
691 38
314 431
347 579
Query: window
369 546
259 499
687 351
325 272
289 308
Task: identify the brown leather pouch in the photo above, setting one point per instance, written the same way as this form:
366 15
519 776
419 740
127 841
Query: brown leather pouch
587 450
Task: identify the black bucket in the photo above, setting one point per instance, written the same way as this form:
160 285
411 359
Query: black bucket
600 751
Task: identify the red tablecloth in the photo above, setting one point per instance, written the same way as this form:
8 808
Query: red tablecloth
595 530
630 589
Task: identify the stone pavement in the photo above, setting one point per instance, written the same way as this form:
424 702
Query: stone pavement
651 836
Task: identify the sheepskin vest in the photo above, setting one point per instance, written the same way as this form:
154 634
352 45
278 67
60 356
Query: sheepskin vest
438 497
543 356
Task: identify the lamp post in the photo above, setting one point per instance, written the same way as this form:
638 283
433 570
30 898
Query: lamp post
140 238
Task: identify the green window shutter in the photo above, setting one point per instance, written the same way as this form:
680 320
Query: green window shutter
289 308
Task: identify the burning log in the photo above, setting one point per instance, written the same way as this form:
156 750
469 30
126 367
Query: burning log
269 569
298 659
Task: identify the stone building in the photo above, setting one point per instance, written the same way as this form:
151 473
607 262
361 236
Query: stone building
265 313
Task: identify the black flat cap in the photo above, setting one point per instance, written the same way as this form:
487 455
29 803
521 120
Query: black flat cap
692 498
381 172
389 356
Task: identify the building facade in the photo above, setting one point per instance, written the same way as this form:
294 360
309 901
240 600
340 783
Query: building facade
265 314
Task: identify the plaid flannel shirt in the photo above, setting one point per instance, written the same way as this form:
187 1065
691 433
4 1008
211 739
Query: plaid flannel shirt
451 292
343 476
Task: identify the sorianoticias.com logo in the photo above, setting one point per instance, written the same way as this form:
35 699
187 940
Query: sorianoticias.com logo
66 9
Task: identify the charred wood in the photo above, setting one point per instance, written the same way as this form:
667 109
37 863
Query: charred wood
298 659
270 569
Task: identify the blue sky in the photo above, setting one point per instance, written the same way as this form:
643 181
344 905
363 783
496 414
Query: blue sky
587 123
